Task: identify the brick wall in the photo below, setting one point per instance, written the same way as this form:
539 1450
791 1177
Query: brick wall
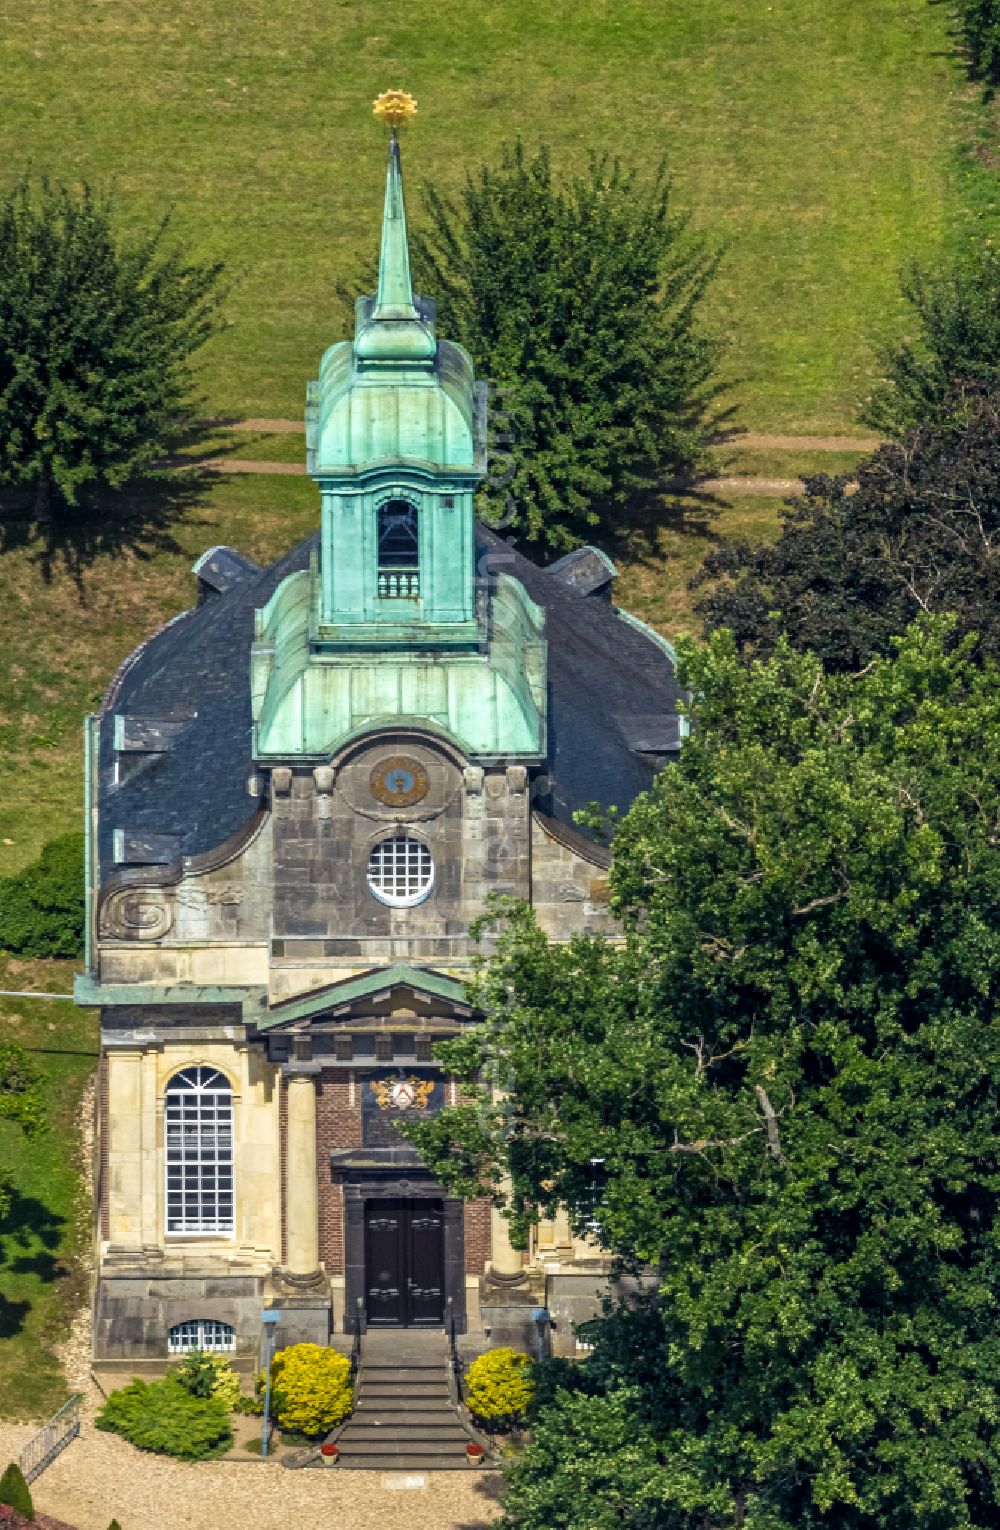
338 1125
477 1236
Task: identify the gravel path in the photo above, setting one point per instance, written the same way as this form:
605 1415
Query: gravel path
99 1477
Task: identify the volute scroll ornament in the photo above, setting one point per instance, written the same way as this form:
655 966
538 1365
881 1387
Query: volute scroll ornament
137 913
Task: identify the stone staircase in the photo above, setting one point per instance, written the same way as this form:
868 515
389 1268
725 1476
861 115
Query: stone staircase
404 1418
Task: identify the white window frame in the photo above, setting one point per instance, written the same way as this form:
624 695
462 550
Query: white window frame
411 870
200 1189
209 1335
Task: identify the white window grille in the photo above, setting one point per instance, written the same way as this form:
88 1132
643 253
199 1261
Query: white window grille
199 1130
201 1333
400 871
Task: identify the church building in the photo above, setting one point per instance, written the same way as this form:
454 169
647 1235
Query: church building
299 794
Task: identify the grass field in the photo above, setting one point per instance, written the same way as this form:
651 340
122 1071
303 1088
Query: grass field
818 137
45 1232
824 141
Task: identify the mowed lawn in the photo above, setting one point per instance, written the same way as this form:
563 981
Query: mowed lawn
44 1236
817 137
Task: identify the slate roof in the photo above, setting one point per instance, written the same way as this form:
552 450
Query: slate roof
610 680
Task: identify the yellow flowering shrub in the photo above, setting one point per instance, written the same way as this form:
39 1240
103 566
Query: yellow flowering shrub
499 1386
310 1388
226 1385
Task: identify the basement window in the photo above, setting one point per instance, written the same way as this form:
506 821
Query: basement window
204 1334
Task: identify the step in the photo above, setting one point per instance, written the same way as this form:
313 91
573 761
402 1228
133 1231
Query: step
390 1393
372 1428
398 1418
413 1376
449 1450
415 1463
445 1440
419 1416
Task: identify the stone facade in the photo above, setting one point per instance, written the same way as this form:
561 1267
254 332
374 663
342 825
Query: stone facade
300 796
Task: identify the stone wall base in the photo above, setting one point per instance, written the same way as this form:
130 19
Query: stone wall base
134 1312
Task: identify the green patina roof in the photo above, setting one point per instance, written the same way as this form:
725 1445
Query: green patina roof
255 1009
311 703
397 392
338 652
399 975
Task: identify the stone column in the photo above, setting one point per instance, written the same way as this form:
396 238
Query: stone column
555 1240
124 1150
562 1237
505 1260
301 1184
152 1174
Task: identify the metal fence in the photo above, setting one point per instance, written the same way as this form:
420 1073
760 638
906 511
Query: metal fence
53 1437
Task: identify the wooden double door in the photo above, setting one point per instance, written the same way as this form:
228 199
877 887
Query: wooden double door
404 1262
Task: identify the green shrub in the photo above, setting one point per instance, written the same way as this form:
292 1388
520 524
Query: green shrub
114 1525
953 345
979 22
14 1491
500 1386
310 1388
42 907
209 1376
164 1416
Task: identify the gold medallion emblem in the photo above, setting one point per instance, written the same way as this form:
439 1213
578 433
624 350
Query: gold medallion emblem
402 1093
399 781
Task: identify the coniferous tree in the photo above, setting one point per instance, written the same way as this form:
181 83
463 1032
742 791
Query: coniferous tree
97 334
14 1491
578 297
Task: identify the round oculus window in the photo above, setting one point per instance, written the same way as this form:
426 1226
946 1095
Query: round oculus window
400 871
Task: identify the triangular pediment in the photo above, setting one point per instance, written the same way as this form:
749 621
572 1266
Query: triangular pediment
400 990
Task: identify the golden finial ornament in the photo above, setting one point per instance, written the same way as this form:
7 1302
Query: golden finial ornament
394 107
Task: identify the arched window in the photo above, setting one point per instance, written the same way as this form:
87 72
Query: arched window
200 1333
199 1152
400 871
398 550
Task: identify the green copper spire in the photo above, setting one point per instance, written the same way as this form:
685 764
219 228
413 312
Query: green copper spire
390 627
393 330
394 299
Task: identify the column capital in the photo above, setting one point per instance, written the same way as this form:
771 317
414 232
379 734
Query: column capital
298 1068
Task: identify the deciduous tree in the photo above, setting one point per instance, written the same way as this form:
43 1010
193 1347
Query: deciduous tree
579 298
97 333
851 568
956 342
778 1095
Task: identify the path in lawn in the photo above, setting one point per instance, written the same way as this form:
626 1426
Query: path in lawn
99 1476
819 138
749 440
735 485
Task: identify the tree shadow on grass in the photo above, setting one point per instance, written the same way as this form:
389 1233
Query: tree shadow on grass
683 508
138 520
28 1223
